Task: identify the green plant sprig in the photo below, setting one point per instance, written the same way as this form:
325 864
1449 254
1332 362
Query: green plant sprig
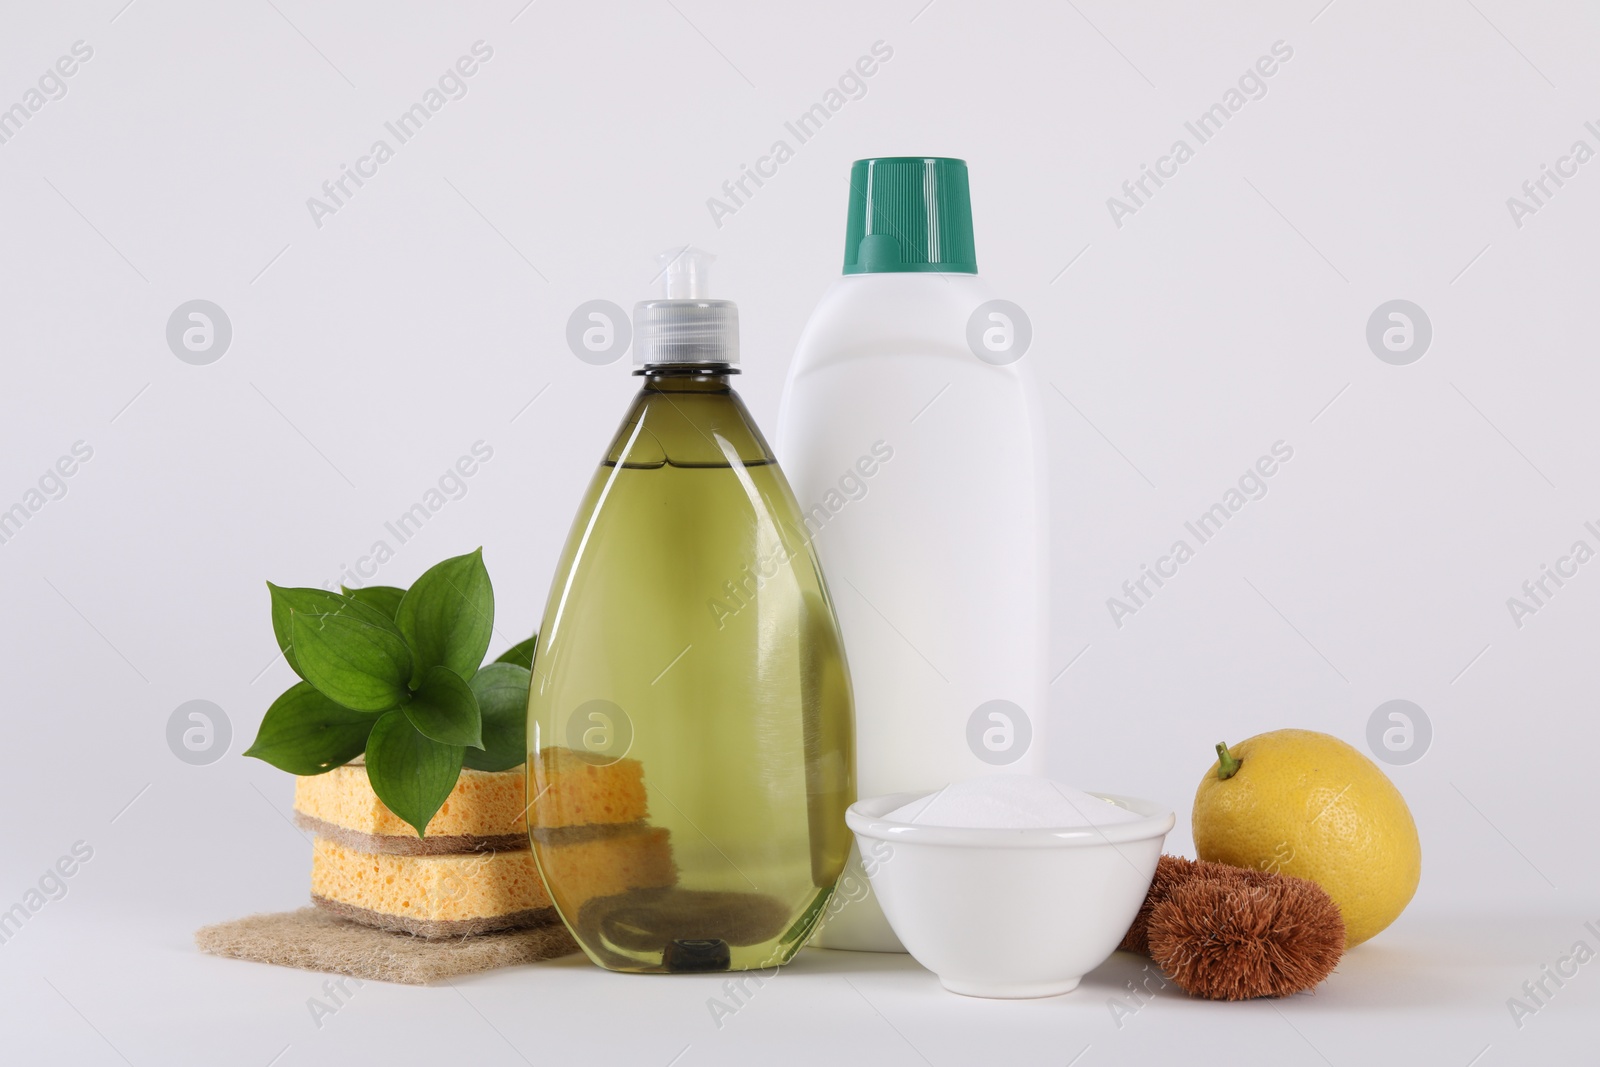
397 675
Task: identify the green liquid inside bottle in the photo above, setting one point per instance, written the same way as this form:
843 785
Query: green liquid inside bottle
689 647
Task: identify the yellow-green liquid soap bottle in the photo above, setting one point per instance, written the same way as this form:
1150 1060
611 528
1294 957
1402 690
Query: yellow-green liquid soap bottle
690 719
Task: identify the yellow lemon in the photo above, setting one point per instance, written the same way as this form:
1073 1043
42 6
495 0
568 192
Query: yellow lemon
1306 804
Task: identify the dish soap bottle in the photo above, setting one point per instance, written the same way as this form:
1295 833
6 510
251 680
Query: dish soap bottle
690 715
922 467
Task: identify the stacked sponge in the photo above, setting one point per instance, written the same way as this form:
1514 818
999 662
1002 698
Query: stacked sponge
472 872
590 822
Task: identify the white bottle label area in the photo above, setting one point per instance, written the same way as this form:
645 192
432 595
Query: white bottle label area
933 562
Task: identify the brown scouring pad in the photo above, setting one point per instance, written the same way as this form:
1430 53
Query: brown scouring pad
1170 871
437 929
401 845
1229 933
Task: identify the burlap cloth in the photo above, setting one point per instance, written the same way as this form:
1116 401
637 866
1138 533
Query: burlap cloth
314 940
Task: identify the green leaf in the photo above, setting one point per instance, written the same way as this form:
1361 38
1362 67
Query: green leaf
304 732
383 598
287 601
354 662
411 774
444 708
502 692
448 614
520 653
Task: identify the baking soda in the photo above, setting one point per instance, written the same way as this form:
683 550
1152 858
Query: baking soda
1011 802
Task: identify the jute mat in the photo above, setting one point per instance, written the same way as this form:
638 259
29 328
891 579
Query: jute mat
314 940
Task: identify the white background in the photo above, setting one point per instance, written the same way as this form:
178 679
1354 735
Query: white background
368 354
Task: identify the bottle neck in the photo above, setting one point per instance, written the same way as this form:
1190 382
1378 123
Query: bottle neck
687 377
688 415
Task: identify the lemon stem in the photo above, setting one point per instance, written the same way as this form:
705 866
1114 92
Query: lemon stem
1227 766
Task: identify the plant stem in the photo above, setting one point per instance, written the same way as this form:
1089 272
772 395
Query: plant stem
1227 766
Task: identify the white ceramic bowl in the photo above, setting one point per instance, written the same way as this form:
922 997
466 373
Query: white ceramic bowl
1009 913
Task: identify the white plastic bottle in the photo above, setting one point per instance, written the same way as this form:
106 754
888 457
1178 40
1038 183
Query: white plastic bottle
911 430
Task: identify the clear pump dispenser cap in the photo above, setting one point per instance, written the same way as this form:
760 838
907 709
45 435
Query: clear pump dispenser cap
685 326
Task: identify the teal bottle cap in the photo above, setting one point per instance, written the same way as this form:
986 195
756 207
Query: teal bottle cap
909 213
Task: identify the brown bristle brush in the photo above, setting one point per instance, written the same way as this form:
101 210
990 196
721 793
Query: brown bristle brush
1230 933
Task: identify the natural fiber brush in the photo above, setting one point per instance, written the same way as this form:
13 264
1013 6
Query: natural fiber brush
1230 933
1170 871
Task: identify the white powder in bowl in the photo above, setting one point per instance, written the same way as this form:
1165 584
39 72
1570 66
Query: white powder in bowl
1011 802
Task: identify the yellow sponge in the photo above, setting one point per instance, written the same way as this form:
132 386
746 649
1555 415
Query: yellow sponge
431 896
582 867
485 811
572 789
473 871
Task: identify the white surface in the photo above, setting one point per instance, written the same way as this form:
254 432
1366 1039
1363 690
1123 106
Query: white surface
1430 991
1050 905
1227 314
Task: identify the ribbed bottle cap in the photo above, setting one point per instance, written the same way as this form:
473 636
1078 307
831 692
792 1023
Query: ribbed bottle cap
685 327
909 213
